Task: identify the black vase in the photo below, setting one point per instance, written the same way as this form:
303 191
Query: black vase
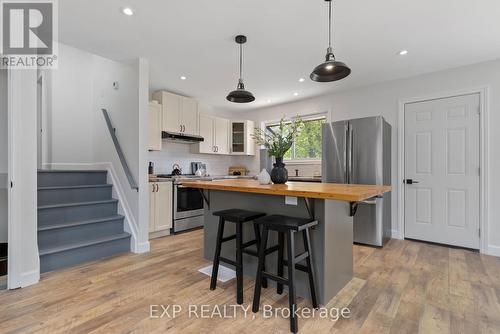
279 174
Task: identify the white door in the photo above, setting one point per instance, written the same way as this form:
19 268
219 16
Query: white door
222 135
442 154
189 116
207 132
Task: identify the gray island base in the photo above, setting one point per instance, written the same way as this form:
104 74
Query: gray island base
331 239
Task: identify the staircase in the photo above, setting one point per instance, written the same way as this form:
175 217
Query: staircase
77 219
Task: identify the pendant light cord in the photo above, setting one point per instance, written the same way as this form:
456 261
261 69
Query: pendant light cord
330 24
241 61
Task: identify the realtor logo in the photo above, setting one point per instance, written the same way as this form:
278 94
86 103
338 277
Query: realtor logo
28 36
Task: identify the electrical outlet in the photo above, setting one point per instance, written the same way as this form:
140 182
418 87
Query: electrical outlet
289 200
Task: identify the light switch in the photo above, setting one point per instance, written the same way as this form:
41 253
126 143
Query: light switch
289 200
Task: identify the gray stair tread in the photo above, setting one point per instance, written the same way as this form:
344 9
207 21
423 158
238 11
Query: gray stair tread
83 186
52 250
53 206
70 171
78 223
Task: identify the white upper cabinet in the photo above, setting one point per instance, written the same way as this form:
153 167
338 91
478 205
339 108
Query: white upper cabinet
189 116
215 132
180 114
155 126
241 139
221 135
207 132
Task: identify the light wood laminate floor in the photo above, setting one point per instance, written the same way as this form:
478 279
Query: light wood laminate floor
407 287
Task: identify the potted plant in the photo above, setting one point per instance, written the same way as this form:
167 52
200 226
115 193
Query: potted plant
278 141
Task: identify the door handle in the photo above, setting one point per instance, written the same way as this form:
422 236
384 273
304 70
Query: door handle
410 181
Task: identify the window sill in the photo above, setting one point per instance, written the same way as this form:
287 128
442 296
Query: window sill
302 162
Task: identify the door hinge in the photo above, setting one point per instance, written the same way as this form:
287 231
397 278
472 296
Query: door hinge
11 184
479 171
479 232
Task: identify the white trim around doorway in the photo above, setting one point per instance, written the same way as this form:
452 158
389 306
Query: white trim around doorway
484 160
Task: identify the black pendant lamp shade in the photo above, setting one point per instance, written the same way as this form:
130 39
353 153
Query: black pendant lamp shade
330 70
240 95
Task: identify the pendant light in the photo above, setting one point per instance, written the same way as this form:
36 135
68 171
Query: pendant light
330 70
240 95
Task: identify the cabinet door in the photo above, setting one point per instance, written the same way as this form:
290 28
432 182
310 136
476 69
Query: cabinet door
155 124
222 135
164 206
171 106
207 132
189 116
152 207
249 130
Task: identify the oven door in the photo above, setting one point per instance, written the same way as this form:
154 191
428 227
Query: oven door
188 202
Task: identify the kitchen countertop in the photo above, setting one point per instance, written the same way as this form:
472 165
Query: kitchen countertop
159 179
330 191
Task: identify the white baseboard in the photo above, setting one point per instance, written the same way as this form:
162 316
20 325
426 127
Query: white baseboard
395 234
493 250
30 278
143 247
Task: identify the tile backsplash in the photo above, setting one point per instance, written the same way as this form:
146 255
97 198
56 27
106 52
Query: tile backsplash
176 153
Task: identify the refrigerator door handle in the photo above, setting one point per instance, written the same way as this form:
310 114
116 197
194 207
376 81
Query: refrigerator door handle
346 150
350 149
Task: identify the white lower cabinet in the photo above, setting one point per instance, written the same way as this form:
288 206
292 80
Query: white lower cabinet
160 206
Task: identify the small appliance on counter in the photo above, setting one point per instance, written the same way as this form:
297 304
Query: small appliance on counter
237 171
151 168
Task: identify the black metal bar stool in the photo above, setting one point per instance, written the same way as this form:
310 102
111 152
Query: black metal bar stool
239 217
285 225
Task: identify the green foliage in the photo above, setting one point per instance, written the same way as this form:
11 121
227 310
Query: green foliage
279 139
308 144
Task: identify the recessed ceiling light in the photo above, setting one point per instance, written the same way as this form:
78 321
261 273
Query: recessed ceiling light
295 94
302 80
403 52
268 101
183 77
128 11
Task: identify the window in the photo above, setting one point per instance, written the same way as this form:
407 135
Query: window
308 144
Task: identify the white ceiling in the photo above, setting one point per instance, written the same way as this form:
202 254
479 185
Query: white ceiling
286 40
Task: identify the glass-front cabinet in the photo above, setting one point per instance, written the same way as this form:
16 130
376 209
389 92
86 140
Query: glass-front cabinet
241 137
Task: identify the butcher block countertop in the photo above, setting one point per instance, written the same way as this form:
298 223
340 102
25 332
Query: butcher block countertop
331 191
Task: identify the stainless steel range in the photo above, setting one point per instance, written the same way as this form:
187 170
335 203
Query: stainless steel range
188 204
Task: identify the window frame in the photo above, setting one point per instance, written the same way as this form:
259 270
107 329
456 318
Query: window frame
305 118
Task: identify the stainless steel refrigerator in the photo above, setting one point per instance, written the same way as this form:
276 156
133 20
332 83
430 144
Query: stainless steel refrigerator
358 151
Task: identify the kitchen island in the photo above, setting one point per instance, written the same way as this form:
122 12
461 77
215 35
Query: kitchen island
332 205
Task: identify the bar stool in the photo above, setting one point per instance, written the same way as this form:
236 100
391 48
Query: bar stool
286 225
239 217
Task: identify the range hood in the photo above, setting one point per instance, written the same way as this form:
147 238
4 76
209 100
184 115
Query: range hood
180 138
